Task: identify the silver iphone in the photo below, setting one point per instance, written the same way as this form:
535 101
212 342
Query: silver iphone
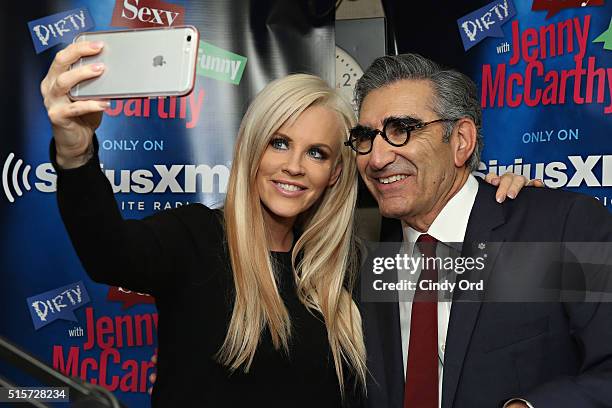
150 62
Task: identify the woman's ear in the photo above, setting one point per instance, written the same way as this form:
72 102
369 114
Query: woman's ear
335 175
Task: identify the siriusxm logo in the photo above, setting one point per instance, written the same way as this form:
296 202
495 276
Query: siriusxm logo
592 171
177 178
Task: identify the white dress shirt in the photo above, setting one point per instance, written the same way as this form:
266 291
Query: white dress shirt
448 227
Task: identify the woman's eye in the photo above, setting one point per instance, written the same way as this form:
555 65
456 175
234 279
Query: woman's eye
316 153
280 144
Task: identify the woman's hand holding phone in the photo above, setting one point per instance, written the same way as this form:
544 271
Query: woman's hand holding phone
73 123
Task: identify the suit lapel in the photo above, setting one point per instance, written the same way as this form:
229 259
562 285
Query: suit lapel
485 216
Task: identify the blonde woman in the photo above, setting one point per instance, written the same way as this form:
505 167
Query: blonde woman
255 303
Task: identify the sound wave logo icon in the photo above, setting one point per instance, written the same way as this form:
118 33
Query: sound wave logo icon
14 180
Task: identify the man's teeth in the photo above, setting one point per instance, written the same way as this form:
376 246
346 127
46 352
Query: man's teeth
392 179
289 187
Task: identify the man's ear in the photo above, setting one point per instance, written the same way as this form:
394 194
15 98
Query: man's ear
335 175
463 141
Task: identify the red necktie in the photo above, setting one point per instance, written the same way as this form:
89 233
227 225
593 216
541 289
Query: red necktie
421 390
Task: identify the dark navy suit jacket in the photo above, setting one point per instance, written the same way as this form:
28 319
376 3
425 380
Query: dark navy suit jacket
553 354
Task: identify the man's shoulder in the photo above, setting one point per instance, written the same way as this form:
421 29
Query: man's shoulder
551 214
554 201
547 201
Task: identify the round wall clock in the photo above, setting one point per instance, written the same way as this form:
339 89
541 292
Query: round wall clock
348 72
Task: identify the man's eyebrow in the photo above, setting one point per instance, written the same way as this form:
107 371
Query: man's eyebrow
407 119
365 127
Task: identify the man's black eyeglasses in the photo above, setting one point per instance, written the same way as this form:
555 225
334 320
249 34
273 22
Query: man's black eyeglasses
396 131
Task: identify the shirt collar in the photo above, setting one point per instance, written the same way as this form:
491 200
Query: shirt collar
450 225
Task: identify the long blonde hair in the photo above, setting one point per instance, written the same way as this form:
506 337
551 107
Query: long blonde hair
326 270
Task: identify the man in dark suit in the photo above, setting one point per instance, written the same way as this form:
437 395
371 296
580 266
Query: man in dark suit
418 140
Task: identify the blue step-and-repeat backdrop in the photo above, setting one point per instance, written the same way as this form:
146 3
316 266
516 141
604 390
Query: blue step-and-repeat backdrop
543 68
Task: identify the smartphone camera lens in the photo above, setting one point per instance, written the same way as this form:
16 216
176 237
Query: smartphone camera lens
188 38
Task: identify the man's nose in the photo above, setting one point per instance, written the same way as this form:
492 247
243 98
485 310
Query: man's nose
382 153
293 165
